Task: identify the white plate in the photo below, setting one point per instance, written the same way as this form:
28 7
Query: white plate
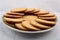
27 31
8 34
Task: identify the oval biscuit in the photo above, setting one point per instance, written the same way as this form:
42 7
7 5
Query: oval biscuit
47 15
13 19
36 10
48 18
19 25
16 14
29 26
13 16
34 23
40 13
18 10
46 22
30 10
12 25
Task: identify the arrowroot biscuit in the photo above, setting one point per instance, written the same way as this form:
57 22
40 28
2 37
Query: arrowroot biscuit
41 12
19 25
48 18
46 22
13 16
20 14
34 23
47 15
13 19
18 10
29 10
29 26
35 11
10 24
30 19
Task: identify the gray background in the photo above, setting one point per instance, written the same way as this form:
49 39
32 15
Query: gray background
50 5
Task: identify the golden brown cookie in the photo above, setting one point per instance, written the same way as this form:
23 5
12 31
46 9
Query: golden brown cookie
18 10
48 18
29 17
12 16
29 26
10 24
13 19
35 11
41 12
36 24
19 25
16 14
29 10
46 22
47 15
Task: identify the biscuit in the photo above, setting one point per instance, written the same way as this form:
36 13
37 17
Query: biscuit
13 19
29 26
36 24
29 17
12 16
41 12
47 15
16 14
46 22
36 10
29 10
48 18
18 10
10 24
19 25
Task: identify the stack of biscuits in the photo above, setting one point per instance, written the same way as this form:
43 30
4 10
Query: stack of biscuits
29 19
